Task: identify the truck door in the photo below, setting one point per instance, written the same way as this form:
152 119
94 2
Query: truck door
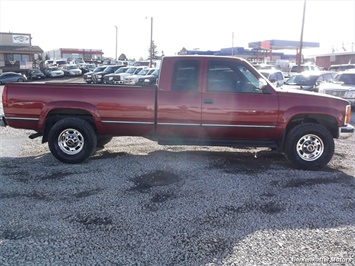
179 101
233 106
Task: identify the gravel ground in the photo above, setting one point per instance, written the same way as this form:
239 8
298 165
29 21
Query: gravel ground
138 203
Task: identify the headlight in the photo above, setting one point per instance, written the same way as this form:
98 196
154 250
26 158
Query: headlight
89 76
110 78
99 76
349 94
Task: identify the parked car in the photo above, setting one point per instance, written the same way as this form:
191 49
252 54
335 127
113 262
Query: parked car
71 70
132 70
60 63
88 76
274 75
343 85
341 67
303 68
54 72
264 66
149 80
133 79
34 74
115 77
86 67
11 77
98 77
308 80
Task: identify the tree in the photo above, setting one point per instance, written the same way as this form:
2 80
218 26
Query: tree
122 57
153 53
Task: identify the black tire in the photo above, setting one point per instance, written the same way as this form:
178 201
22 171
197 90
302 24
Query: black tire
72 140
309 146
103 140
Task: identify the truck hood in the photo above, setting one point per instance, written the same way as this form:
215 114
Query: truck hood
308 94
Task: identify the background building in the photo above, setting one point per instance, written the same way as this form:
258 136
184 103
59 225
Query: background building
73 53
17 52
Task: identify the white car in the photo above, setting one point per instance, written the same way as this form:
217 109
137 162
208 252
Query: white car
54 72
133 79
133 70
71 70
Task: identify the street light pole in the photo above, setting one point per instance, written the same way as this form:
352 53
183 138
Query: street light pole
116 43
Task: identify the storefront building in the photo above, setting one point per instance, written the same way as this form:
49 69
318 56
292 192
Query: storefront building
17 53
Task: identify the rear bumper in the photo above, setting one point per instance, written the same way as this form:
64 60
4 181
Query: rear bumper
2 121
346 131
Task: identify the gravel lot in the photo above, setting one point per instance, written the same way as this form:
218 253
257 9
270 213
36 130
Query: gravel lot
138 203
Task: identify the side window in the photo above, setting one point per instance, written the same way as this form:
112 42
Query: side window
230 76
185 75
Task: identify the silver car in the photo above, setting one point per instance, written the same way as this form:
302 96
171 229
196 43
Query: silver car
11 77
343 85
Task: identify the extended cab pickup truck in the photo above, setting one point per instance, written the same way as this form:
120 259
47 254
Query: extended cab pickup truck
198 100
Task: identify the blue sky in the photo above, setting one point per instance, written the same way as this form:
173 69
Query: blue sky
204 25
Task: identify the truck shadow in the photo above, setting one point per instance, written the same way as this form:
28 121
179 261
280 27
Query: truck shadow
201 204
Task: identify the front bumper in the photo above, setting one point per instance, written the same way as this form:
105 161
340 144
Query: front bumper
346 131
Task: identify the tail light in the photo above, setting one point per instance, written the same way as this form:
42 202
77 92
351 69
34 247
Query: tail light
4 96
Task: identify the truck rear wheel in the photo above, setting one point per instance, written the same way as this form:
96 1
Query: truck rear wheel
72 140
309 146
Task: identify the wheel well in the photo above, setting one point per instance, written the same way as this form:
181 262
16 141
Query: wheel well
58 114
329 122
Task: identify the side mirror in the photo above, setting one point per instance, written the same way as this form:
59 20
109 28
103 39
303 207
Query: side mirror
262 83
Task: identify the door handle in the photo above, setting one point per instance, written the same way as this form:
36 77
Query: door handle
208 101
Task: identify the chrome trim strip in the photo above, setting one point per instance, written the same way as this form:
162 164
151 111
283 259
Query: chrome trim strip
237 126
179 124
127 122
22 118
185 124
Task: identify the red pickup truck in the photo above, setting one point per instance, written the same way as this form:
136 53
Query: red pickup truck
198 100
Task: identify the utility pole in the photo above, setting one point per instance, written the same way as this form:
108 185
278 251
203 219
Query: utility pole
301 41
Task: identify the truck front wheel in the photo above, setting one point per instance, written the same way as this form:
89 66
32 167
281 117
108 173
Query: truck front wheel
309 146
72 140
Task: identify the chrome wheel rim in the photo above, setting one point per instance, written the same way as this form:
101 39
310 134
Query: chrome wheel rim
71 141
310 147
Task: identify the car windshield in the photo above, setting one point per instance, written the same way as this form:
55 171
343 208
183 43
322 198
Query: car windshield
98 69
131 70
156 72
345 78
302 80
109 69
143 72
120 70
72 67
54 69
36 71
